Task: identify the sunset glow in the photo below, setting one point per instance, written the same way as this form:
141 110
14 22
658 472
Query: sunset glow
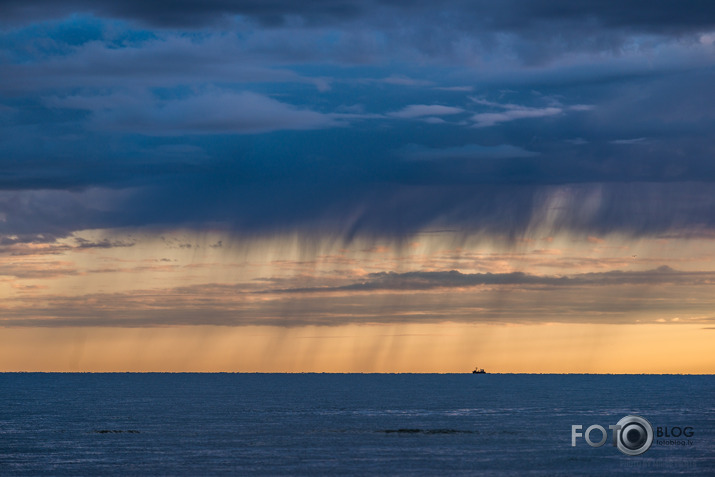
249 188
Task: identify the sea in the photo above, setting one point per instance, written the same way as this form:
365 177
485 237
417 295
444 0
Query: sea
351 424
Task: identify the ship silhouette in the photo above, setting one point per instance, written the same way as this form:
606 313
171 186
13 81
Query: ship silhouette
479 370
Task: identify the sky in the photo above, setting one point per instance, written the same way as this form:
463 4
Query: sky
357 186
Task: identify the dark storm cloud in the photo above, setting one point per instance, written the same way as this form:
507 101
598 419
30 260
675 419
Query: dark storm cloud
395 202
648 15
357 118
183 13
363 32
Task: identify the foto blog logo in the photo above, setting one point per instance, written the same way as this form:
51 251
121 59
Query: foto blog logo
633 435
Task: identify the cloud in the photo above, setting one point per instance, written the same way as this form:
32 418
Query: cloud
421 110
104 243
629 141
404 81
431 280
466 152
183 14
461 89
213 112
37 269
512 113
582 107
507 112
454 279
387 297
316 125
510 15
158 61
236 114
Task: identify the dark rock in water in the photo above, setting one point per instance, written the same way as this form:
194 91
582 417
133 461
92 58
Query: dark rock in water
116 431
427 431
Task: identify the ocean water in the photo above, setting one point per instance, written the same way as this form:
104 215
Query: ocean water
347 424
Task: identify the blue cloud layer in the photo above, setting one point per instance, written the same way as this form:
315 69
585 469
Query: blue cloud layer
351 118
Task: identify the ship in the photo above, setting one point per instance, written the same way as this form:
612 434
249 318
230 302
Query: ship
479 370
